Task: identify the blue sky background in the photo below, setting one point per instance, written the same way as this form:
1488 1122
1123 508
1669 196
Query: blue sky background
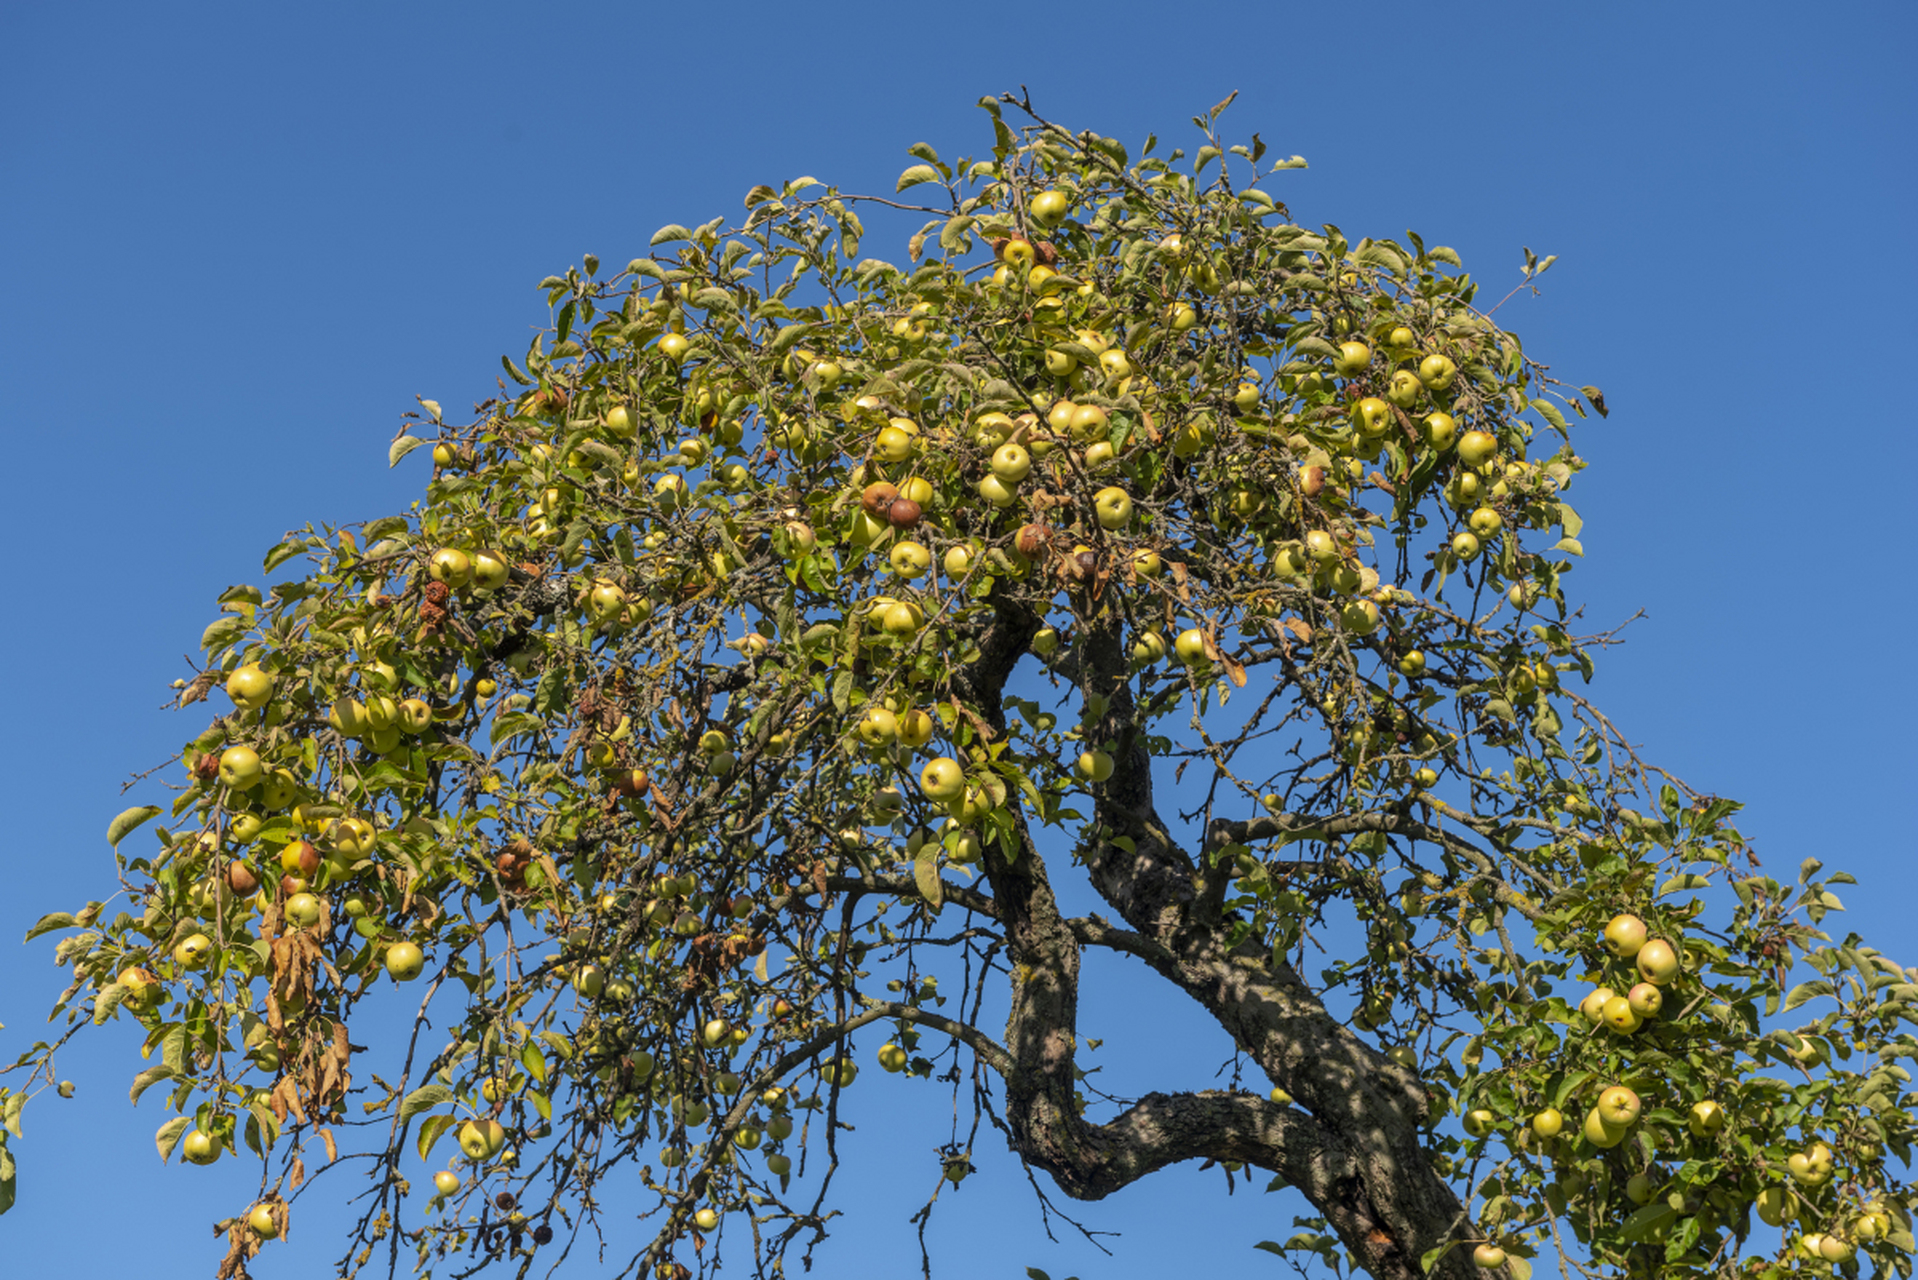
236 241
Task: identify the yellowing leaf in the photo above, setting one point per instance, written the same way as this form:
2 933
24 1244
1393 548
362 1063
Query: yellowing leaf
917 174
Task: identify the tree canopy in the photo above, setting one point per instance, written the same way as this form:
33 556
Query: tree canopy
795 632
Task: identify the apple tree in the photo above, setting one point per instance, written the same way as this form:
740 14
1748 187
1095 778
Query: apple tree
796 633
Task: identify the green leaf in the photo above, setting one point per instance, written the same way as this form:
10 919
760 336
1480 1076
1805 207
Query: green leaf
48 923
424 1098
107 1001
400 448
925 874
1569 544
168 1136
147 1079
1642 1224
671 231
1569 520
283 552
1806 991
431 1130
11 1116
128 819
1430 1258
1521 1268
534 1062
917 174
224 631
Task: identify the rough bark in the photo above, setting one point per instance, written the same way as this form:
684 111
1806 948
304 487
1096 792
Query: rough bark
1353 1141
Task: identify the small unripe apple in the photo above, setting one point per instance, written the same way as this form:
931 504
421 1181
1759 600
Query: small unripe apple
1488 1257
1441 430
1094 766
1464 544
1548 1123
446 1182
199 1147
1190 646
1646 1000
303 910
261 1220
1479 1122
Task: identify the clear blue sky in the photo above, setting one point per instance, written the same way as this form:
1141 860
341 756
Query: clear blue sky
237 240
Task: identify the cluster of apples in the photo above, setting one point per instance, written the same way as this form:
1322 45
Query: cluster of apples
1657 962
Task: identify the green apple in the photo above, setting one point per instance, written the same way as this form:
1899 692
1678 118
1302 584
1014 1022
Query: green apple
1464 544
405 961
1706 1118
1437 372
1353 357
1010 463
1190 646
1405 389
1618 1106
1049 208
1621 1017
1658 962
446 1182
1774 1206
589 980
1479 1122
451 566
1375 416
1646 999
1113 506
1475 447
1624 935
193 952
1441 430
303 910
1093 766
1601 1134
909 559
199 1147
1147 564
261 1220
1640 1188
240 768
877 726
1413 663
250 687
1548 1123
1488 1257
781 1165
892 1058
